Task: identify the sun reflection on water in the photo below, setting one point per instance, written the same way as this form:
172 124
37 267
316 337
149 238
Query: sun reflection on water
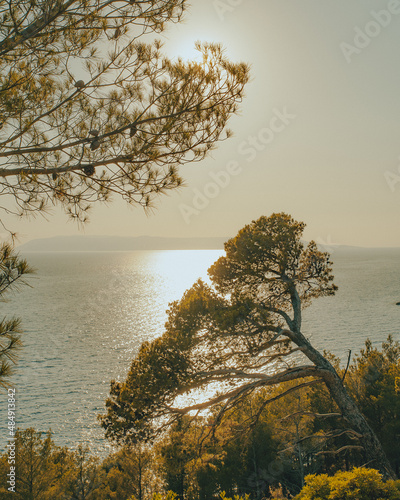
179 269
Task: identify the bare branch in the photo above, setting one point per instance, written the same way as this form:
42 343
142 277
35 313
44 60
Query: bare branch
340 450
311 414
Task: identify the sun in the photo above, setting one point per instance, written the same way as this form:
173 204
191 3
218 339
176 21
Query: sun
185 48
189 50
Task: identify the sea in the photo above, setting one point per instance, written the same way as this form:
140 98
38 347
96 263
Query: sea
85 315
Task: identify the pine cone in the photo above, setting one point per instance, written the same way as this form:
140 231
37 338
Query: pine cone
94 144
88 170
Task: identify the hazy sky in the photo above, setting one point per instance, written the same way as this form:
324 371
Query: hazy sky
317 135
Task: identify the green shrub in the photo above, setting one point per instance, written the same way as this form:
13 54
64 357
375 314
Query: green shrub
358 484
236 497
157 496
169 496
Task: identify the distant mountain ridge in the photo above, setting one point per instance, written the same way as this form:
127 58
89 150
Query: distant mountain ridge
119 243
82 243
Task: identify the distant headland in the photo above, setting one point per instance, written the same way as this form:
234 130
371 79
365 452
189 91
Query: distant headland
83 243
119 243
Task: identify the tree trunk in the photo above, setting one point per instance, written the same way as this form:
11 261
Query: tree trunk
350 411
140 475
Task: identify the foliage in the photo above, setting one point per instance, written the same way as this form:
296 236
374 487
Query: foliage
12 272
46 471
88 110
249 454
236 497
358 484
373 380
36 470
176 453
128 471
291 423
324 440
169 496
85 479
198 462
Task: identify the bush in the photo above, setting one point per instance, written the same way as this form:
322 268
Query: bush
358 484
169 496
237 497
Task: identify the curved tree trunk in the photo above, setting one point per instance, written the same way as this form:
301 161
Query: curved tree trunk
350 411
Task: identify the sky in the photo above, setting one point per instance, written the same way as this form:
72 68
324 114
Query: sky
317 135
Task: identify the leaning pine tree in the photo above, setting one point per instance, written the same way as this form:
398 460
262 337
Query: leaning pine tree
239 335
88 110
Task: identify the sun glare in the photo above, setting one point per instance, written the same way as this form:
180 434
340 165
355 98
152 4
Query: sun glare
184 46
180 269
187 51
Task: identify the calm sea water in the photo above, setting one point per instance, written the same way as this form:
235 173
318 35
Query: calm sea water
87 314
